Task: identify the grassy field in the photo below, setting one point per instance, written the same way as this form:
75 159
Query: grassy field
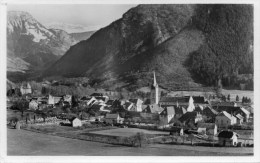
127 132
26 143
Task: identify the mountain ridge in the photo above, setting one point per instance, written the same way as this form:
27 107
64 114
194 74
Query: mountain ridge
31 47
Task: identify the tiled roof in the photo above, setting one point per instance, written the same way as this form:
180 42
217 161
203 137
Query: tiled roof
239 116
96 107
187 116
96 94
134 100
226 134
110 102
210 109
224 113
179 110
174 99
244 110
153 109
101 98
127 104
112 116
206 125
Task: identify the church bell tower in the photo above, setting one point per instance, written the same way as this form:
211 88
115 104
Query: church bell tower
155 91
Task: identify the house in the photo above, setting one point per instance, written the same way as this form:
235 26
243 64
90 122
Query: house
84 98
166 115
90 101
137 104
179 111
25 89
113 118
224 119
67 98
209 114
227 138
101 99
245 113
129 106
42 100
207 128
184 101
173 101
33 105
53 100
151 111
190 117
97 107
75 122
110 102
176 131
198 109
239 119
235 110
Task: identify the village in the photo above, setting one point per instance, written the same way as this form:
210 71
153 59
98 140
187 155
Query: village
200 120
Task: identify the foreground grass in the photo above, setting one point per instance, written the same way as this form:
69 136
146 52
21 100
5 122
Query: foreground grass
22 142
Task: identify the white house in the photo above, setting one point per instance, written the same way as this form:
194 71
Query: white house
25 89
225 119
137 104
207 128
166 115
239 119
75 122
53 100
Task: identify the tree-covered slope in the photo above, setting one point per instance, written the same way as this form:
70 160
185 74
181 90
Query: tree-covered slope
184 44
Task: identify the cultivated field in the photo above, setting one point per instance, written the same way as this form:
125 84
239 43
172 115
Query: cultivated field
127 132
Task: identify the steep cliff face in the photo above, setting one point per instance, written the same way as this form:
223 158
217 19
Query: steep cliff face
152 37
30 45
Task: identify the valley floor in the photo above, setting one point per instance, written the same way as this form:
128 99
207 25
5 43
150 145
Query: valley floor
26 143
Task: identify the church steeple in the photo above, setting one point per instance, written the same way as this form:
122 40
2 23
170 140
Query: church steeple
154 79
155 91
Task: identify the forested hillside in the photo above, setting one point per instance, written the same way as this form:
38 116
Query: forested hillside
187 45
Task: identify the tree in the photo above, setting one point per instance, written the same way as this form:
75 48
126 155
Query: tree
237 98
243 99
22 105
223 98
140 138
228 97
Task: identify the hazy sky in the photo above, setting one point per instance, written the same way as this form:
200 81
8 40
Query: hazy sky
86 14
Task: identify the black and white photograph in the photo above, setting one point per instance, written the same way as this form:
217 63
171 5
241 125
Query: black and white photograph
129 79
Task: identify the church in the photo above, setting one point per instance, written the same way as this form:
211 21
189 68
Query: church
154 99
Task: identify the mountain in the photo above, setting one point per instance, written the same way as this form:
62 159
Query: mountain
82 36
71 28
31 47
173 40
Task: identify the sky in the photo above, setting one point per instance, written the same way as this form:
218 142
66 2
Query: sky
82 14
